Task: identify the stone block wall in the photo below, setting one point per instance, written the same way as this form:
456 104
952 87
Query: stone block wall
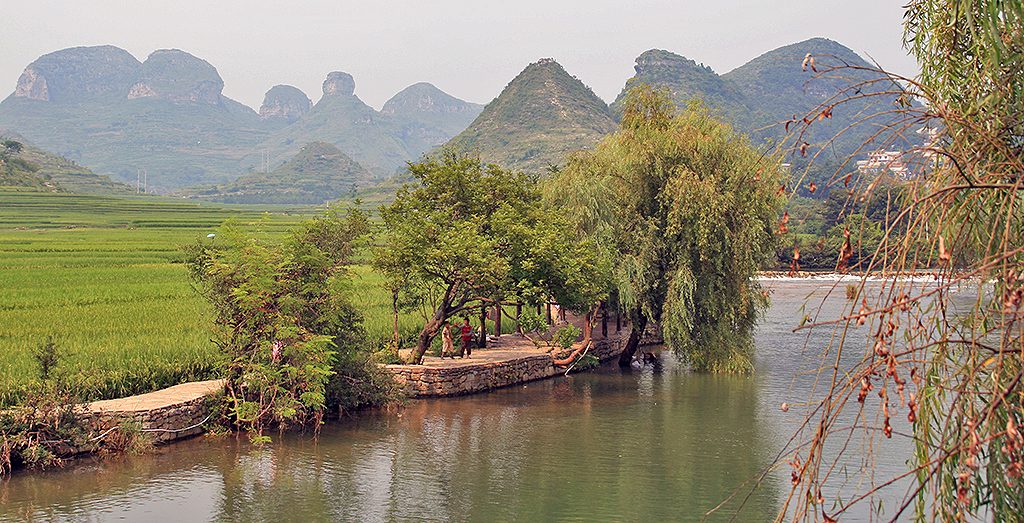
161 425
163 416
420 381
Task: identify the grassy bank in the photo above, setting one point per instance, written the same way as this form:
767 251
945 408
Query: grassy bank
102 277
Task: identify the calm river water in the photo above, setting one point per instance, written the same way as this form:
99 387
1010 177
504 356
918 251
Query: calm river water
641 445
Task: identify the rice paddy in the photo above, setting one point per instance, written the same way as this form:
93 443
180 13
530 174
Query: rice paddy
103 278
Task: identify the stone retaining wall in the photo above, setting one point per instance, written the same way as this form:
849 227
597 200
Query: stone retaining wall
164 416
421 381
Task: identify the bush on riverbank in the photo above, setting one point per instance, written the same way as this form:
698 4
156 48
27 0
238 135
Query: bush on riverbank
43 430
295 344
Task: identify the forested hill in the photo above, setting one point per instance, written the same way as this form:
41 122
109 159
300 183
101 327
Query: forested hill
759 97
26 167
167 115
543 114
319 173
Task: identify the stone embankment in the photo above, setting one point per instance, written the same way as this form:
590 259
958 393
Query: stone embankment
507 361
165 415
184 410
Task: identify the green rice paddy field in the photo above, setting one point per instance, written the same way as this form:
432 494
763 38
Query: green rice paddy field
103 277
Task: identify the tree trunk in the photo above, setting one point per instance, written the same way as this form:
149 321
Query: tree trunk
394 310
635 334
604 320
426 338
588 329
497 320
548 309
482 340
519 316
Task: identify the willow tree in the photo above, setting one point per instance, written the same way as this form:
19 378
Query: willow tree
685 210
945 375
466 235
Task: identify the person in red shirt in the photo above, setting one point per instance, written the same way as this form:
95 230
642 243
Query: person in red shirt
467 338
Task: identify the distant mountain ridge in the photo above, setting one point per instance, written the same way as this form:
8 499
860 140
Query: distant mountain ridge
527 126
759 97
167 116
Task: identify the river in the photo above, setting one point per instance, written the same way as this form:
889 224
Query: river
608 445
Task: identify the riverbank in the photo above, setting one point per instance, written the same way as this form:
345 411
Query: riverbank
186 410
673 442
165 415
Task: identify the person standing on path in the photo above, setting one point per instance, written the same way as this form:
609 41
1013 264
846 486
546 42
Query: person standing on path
447 347
467 338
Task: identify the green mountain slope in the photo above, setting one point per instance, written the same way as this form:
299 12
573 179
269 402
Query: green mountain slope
25 166
759 97
781 90
542 115
342 119
685 81
319 173
284 104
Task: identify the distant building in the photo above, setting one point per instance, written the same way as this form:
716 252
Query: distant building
880 162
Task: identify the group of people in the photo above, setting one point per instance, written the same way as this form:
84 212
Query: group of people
448 346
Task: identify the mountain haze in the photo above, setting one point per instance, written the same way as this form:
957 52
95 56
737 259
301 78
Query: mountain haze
167 116
285 103
102 108
758 97
427 117
342 119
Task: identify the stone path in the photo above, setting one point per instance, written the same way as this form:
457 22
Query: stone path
164 398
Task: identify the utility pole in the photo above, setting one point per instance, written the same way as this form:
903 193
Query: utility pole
145 181
138 180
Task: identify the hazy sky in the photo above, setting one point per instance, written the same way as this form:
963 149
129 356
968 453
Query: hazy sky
470 49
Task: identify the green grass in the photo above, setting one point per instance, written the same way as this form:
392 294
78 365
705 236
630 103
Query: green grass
103 276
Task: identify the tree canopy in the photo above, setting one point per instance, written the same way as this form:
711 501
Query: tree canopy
685 210
467 234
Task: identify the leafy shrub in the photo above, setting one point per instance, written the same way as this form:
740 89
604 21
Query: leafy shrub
42 431
46 355
566 336
295 345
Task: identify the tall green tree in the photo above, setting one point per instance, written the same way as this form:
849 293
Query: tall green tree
466 235
685 210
